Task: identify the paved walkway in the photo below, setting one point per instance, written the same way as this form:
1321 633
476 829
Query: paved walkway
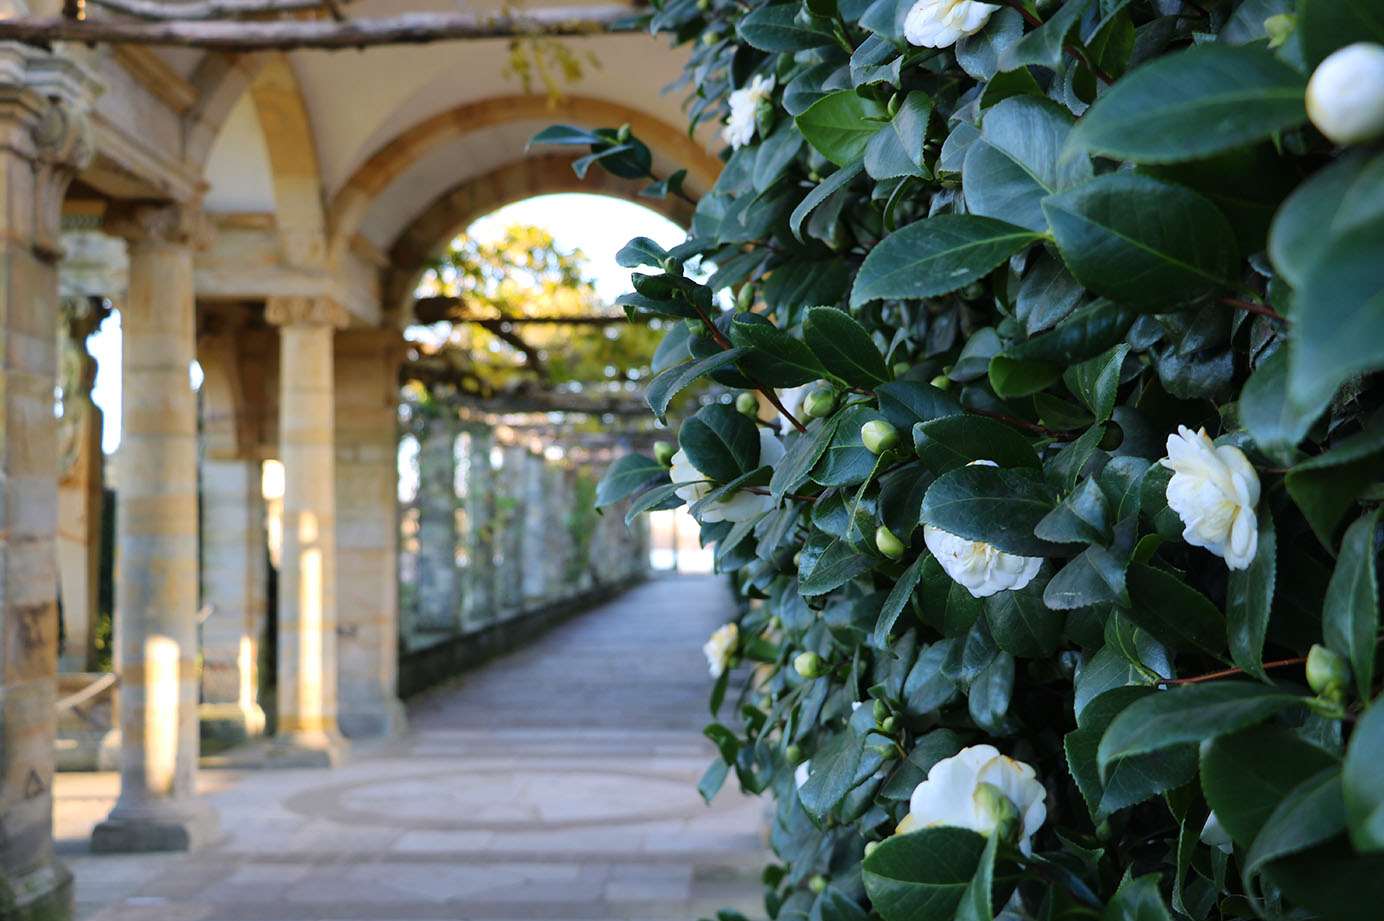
555 783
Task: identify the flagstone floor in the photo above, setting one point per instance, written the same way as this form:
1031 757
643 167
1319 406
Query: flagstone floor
555 783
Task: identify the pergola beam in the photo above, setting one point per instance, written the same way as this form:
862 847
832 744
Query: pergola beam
161 11
290 34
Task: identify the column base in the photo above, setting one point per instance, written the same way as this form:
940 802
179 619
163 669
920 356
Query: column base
229 724
377 720
42 894
306 750
186 826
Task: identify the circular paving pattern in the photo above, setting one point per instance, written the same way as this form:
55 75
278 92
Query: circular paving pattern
457 799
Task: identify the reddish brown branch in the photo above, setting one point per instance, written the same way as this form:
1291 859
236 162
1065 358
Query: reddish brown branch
1231 672
1264 310
720 339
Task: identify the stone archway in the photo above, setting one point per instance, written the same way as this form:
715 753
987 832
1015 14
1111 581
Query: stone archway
350 204
455 209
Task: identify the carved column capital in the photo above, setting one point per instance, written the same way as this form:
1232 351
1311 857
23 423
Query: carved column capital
300 310
45 101
158 224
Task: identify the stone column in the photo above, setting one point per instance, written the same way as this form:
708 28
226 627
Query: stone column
307 614
44 140
558 542
367 531
511 585
80 497
233 589
480 530
537 519
156 580
438 585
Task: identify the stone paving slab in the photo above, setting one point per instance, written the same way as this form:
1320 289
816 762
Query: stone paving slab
555 784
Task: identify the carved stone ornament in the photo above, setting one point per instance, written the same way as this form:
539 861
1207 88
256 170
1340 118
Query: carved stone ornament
158 224
45 100
305 311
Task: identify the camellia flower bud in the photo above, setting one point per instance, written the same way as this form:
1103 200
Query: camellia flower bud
747 405
744 298
901 368
794 753
871 847
623 134
887 543
880 710
997 811
941 382
1345 97
663 452
1328 673
819 402
879 436
817 884
888 724
809 665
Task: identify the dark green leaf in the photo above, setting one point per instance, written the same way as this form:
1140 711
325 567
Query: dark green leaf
1145 243
1193 104
1019 160
1246 774
936 255
922 876
787 361
1275 420
780 28
840 125
843 347
1363 786
1330 24
1190 714
1021 624
898 598
1137 900
1248 600
1313 812
1324 487
671 382
630 474
820 193
1350 613
802 455
1043 46
1173 611
998 506
954 441
720 442
907 403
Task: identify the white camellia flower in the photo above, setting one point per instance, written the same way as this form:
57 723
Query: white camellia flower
949 795
940 23
981 568
737 507
1214 491
744 102
1345 97
720 648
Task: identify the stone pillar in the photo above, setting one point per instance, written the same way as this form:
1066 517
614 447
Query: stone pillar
537 519
480 530
559 544
307 613
438 585
367 531
44 139
511 585
233 590
80 480
156 580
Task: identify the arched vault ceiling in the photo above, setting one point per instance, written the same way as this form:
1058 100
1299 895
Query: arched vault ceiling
359 102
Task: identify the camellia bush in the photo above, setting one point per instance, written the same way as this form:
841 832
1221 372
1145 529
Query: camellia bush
1053 479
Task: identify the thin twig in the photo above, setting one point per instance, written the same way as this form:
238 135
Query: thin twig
1231 672
1264 310
1024 424
720 339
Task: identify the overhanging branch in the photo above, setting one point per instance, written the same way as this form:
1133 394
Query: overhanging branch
289 34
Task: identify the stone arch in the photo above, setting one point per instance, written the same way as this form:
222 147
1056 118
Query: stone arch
273 87
350 204
455 209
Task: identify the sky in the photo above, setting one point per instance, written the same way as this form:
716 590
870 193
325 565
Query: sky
595 224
